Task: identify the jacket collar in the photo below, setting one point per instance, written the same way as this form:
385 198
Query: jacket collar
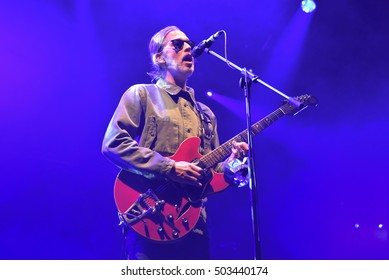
173 89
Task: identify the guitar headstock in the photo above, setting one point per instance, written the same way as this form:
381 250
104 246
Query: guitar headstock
306 100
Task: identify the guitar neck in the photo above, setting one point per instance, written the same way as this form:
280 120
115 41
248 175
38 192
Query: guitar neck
224 150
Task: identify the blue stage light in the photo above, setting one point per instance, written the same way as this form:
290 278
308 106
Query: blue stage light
308 6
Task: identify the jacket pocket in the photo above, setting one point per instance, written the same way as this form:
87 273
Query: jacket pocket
161 135
149 133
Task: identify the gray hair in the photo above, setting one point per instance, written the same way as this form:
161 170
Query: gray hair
155 46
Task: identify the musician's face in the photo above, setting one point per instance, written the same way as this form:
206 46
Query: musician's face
176 55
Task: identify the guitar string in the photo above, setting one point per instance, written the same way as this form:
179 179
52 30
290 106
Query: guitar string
224 149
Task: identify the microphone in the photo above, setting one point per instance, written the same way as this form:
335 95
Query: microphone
198 50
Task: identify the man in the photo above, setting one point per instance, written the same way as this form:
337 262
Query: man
148 126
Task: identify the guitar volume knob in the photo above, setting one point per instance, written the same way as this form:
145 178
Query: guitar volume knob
170 218
185 223
161 232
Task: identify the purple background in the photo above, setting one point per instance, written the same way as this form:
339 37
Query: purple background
65 64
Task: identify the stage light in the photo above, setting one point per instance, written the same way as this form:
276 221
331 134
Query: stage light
209 93
308 6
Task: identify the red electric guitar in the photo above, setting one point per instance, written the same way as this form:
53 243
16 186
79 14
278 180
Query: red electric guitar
166 211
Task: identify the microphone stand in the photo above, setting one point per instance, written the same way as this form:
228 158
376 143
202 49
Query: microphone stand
245 83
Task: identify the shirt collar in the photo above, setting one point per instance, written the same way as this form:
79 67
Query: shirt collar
173 89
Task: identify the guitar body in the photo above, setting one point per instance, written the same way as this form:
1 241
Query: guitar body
160 210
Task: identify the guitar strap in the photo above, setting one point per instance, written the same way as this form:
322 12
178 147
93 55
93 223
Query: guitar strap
206 124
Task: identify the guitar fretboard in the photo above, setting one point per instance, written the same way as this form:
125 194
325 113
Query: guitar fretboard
224 150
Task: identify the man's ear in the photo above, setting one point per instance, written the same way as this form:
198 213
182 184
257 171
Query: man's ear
159 59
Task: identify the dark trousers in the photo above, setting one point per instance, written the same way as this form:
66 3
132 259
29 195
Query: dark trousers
193 246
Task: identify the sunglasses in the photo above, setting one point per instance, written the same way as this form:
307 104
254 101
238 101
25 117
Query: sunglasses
178 44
